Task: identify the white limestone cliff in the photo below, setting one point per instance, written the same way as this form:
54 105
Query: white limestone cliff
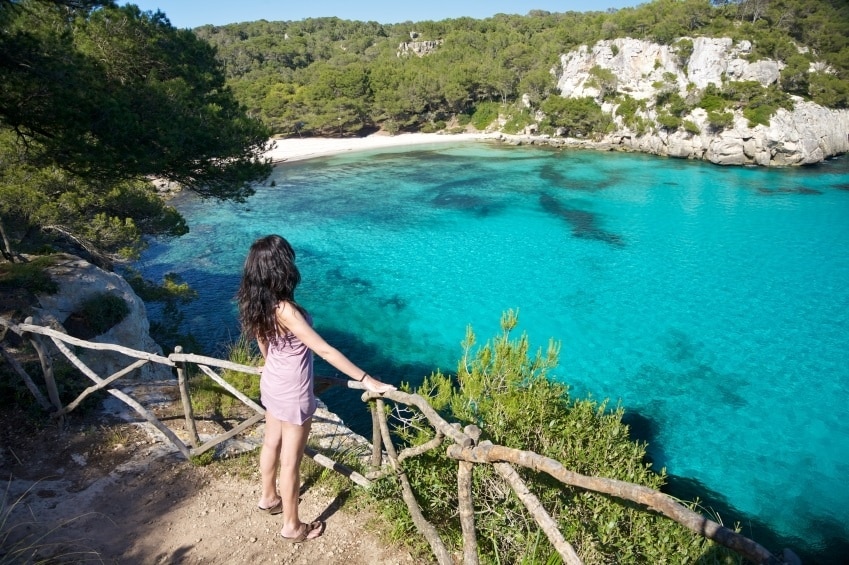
808 134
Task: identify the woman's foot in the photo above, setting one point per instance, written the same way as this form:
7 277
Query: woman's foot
272 509
305 532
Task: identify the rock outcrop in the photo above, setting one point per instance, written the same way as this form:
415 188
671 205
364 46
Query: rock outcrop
79 281
808 134
418 48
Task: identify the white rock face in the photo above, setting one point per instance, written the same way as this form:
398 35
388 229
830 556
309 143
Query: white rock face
808 134
78 281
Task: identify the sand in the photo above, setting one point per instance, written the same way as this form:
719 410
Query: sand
298 149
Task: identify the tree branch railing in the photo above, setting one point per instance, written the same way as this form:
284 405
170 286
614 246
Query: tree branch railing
464 448
178 361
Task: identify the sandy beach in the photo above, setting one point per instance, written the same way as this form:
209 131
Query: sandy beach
298 149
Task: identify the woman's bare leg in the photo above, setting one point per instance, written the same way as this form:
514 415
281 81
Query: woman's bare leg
269 460
291 453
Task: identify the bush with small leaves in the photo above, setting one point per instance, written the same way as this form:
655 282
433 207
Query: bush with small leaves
511 395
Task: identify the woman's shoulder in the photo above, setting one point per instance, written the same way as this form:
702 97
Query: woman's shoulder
289 310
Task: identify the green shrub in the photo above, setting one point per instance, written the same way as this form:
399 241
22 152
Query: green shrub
518 121
759 114
684 50
668 121
720 120
691 127
102 311
672 102
604 80
829 90
504 389
433 127
627 109
204 459
31 276
712 99
485 114
579 117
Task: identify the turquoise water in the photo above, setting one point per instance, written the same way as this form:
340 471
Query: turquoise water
712 302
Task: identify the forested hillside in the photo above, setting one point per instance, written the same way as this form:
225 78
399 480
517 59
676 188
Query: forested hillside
335 77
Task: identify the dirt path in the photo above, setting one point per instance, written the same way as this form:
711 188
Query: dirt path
114 494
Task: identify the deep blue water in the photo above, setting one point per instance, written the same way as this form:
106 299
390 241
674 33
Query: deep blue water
711 302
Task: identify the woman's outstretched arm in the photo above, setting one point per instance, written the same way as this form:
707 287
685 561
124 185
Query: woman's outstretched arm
291 318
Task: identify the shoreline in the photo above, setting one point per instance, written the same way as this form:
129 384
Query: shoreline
300 149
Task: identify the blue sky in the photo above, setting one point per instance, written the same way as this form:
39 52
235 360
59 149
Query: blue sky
194 13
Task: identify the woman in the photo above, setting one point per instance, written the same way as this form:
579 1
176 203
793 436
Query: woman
284 333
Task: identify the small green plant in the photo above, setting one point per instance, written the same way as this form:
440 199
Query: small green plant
208 396
672 102
713 99
204 459
244 465
432 127
628 108
115 436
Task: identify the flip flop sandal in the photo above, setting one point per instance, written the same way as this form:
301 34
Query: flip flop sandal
273 510
306 531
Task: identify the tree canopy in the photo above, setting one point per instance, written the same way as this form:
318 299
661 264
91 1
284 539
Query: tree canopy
96 99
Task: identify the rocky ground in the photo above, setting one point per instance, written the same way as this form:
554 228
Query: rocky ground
109 491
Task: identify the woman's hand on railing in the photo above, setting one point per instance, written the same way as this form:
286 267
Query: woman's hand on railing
374 385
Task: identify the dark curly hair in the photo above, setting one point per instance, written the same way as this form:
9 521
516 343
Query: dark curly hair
270 277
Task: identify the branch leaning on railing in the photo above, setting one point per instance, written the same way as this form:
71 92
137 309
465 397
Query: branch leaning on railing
466 451
645 496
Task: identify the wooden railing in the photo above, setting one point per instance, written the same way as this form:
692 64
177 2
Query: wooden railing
464 446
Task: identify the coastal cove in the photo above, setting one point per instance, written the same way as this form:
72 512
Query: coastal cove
711 302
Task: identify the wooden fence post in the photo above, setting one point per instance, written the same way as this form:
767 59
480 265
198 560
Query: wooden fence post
46 367
191 429
376 443
426 528
466 504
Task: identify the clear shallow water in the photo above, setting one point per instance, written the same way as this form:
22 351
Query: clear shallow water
712 302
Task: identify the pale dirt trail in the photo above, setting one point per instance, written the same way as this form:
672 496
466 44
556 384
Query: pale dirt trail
134 502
